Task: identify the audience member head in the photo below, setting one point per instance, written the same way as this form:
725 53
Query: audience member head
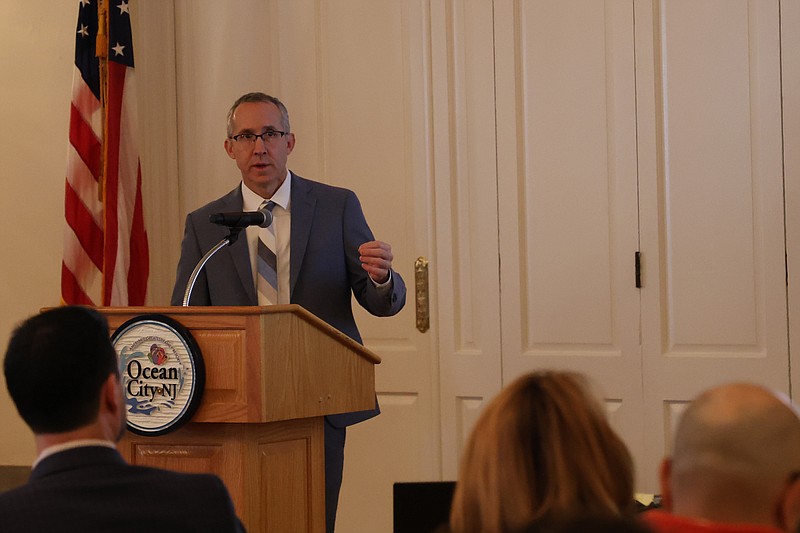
61 372
543 449
736 458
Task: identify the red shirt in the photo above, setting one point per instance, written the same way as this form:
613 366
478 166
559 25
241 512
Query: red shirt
663 522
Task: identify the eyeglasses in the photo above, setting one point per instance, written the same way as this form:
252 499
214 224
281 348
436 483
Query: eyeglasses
249 139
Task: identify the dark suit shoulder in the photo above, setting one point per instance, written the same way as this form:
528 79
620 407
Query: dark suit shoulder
317 188
100 497
231 201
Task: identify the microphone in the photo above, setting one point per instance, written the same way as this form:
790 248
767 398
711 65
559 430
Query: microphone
261 218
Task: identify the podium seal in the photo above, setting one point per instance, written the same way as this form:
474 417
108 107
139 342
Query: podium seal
162 373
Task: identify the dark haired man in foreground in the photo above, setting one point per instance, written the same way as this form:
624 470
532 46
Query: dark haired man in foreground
61 371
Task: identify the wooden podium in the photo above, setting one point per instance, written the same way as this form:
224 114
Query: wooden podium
272 373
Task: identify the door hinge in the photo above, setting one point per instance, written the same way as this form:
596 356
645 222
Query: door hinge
637 258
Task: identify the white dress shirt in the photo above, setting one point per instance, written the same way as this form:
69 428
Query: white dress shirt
282 219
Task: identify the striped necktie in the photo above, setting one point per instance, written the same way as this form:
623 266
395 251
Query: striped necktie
267 283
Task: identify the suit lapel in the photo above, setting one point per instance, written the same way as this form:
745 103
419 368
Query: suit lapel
240 253
303 206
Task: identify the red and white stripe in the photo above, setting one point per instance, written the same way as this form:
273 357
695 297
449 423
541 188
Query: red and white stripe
82 262
106 260
126 258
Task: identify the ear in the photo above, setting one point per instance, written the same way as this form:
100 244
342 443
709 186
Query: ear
229 148
290 143
665 479
787 508
111 399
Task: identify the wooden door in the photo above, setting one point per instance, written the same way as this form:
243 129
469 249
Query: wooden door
468 260
790 91
567 188
711 191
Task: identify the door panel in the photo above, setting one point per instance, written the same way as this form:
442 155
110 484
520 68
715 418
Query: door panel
790 92
567 187
714 303
370 132
465 176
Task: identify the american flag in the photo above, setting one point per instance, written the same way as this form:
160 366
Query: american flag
106 259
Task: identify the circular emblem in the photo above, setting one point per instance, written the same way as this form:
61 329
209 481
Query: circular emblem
162 373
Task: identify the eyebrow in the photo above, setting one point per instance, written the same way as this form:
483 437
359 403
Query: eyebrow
264 129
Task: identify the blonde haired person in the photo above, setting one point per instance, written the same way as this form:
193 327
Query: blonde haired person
542 450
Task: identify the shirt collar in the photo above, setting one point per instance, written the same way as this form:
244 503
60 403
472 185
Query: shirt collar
282 197
57 448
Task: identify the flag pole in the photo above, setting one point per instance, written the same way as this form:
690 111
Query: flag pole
101 51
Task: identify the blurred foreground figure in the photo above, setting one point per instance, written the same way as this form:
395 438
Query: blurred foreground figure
735 465
541 452
61 371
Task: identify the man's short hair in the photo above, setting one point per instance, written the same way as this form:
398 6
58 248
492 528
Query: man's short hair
55 366
259 98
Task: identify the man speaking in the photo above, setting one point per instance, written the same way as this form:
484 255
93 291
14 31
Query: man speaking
317 250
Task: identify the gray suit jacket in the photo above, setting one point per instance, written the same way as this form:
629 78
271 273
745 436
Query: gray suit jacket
327 228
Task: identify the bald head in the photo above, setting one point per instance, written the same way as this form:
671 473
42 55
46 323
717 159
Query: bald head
735 448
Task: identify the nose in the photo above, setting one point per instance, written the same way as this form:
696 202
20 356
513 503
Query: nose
260 145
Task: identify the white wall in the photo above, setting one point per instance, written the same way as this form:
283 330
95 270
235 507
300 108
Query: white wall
36 50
